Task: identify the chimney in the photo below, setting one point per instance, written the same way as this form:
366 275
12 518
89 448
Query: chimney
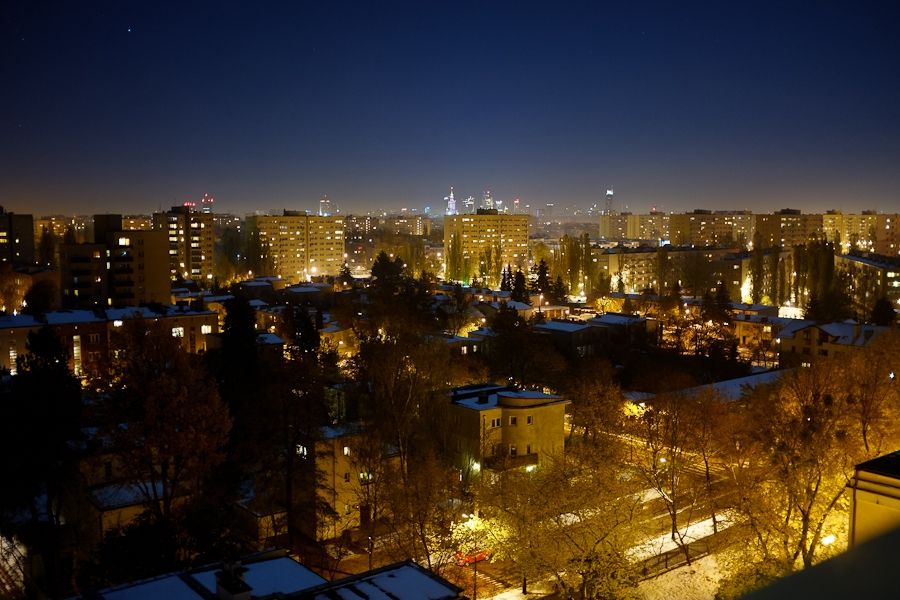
230 584
482 397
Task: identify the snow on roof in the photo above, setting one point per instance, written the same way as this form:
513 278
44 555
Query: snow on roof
170 587
564 326
256 283
304 289
847 333
269 338
119 495
404 581
281 575
514 304
256 303
728 390
494 398
615 319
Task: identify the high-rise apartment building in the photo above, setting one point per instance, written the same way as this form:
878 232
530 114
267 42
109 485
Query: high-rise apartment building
787 228
418 225
297 246
191 237
120 267
469 238
16 238
887 235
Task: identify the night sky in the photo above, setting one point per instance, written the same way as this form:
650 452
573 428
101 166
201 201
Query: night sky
128 107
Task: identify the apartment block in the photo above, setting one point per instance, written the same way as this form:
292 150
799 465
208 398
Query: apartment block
120 268
467 238
191 238
16 238
297 246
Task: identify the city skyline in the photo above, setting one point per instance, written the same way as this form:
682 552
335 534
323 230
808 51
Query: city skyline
131 108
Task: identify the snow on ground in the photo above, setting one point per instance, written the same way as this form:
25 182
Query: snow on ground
664 542
534 591
699 581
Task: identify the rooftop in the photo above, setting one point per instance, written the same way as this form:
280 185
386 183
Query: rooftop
889 465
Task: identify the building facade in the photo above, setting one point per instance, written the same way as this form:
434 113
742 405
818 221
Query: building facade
469 239
191 241
296 246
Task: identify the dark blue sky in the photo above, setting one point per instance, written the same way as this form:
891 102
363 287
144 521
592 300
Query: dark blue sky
270 105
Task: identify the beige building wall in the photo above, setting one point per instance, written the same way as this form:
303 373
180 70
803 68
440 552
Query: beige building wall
874 504
480 232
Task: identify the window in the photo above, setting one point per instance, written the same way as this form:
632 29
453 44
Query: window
347 477
528 449
93 338
495 423
514 421
178 332
530 419
206 329
301 450
117 323
346 450
513 452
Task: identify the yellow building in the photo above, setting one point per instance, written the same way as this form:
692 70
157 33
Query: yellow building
298 246
485 236
500 427
875 498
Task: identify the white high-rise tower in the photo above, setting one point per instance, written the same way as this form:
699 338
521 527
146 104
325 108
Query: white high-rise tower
451 202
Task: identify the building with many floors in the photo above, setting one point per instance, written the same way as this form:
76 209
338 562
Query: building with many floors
191 241
297 246
469 238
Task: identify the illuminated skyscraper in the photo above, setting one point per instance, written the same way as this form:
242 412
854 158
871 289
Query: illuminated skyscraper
451 203
325 207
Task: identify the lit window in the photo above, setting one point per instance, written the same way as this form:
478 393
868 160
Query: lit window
206 329
346 450
178 332
301 450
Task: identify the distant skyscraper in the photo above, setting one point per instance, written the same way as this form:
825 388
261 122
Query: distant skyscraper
451 202
206 204
469 204
325 207
609 202
487 201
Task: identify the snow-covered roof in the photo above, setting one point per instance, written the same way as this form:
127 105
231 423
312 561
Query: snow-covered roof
275 576
269 339
403 581
257 303
170 587
563 326
495 397
616 319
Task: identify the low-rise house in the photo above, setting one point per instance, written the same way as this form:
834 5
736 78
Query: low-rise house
805 345
499 427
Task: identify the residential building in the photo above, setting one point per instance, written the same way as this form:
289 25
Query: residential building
297 246
787 228
137 222
471 238
191 237
887 234
805 345
417 225
702 228
16 238
120 268
615 227
871 277
88 336
874 498
499 427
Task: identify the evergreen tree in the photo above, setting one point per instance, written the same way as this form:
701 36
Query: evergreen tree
883 312
519 291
